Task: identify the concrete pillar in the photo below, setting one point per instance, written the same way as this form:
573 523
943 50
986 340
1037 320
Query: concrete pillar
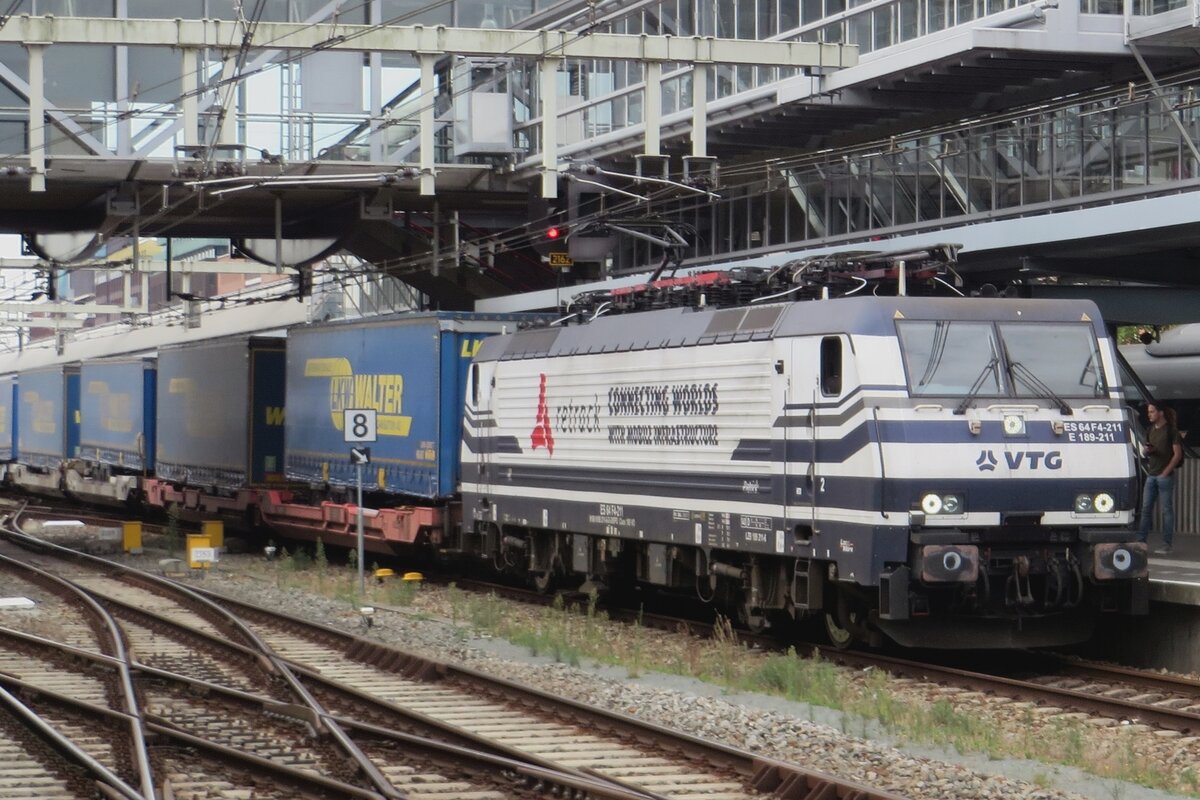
549 93
652 111
700 109
37 117
428 97
189 64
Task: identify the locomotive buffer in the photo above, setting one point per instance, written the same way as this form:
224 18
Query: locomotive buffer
358 427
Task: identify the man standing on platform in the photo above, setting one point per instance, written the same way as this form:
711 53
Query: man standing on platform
1164 453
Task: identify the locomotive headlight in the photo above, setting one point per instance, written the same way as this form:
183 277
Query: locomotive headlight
1014 425
933 503
1102 503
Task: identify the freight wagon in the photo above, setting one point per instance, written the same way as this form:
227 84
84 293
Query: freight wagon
47 412
410 370
116 430
220 425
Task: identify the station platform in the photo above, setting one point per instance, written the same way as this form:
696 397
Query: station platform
1169 637
1175 577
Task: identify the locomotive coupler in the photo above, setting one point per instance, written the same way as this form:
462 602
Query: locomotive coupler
1017 590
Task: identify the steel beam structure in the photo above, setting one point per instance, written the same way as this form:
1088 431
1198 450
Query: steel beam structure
415 39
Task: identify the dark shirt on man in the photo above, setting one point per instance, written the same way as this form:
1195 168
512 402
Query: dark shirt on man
1162 443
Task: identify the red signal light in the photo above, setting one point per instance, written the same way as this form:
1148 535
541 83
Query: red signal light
553 232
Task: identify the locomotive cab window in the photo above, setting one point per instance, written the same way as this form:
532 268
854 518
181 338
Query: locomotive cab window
951 359
1010 359
831 366
1059 356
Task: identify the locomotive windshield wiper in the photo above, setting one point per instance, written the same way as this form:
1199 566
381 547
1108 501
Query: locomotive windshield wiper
1022 373
989 367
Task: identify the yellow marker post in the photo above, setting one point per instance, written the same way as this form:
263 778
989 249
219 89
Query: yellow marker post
132 536
214 529
199 551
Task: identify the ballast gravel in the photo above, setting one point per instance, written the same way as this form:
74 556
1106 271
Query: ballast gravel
813 737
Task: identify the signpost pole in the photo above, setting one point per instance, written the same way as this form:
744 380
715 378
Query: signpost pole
362 586
358 426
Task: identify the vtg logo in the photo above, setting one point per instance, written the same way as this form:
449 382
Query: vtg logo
1033 459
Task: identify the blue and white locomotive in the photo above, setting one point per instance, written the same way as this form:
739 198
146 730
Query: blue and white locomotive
943 471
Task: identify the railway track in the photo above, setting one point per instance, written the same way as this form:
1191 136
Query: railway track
1122 694
265 703
358 688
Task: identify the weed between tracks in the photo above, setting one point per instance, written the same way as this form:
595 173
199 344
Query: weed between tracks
865 702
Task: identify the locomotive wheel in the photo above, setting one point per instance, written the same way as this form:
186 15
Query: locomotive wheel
755 623
846 621
543 582
839 637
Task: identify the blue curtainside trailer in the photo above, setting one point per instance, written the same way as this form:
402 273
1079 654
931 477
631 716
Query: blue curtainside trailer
117 401
220 412
410 370
48 415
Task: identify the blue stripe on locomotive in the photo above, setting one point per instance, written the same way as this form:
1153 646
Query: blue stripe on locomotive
48 415
117 404
410 370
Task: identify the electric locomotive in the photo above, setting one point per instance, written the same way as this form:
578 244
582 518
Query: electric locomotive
941 470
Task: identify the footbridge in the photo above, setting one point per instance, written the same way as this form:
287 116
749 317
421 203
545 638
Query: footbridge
1057 141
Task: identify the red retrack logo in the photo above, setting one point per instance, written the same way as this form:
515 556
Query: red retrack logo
542 435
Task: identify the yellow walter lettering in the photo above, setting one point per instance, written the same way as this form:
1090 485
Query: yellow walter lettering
382 393
327 367
43 417
115 413
275 415
392 425
470 347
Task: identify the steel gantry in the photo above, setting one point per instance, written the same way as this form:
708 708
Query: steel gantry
427 44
